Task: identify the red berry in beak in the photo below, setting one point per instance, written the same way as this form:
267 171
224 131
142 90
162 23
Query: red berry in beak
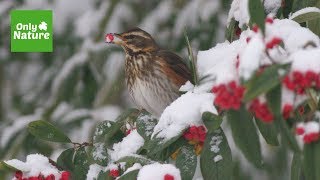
109 38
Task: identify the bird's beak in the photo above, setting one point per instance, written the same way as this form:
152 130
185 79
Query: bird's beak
114 38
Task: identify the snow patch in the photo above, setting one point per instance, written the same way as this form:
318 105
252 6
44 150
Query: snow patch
157 171
179 115
128 146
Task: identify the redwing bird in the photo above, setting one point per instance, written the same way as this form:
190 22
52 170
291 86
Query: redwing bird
153 75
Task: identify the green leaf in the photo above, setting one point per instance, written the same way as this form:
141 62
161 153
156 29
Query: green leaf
296 166
192 60
46 131
156 145
216 158
211 121
245 135
101 130
287 7
100 154
311 161
130 175
304 17
257 15
65 160
81 164
262 83
230 31
135 159
274 102
269 132
145 124
187 162
101 142
104 176
314 26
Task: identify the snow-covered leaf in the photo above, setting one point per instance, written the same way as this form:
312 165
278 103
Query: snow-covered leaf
46 131
130 175
135 159
245 135
104 176
230 30
187 161
211 121
13 168
216 158
65 160
156 145
306 14
145 124
81 164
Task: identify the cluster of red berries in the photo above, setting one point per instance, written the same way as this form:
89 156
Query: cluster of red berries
298 81
195 134
114 173
228 96
308 137
261 111
65 175
287 110
168 177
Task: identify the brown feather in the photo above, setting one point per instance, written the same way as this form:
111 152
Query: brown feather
174 66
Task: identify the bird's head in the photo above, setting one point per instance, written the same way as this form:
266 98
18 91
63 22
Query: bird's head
134 40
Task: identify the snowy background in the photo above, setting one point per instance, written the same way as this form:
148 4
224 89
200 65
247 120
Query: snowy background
81 82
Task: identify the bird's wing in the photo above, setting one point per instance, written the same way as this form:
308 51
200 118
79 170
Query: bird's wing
175 66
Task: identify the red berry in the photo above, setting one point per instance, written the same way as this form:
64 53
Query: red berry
237 61
188 136
128 132
168 177
50 177
238 31
65 175
261 111
311 137
114 173
299 130
228 96
18 175
287 109
275 41
269 20
255 28
248 39
109 37
33 178
193 130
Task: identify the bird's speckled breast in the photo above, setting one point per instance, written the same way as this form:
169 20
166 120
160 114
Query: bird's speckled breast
148 86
